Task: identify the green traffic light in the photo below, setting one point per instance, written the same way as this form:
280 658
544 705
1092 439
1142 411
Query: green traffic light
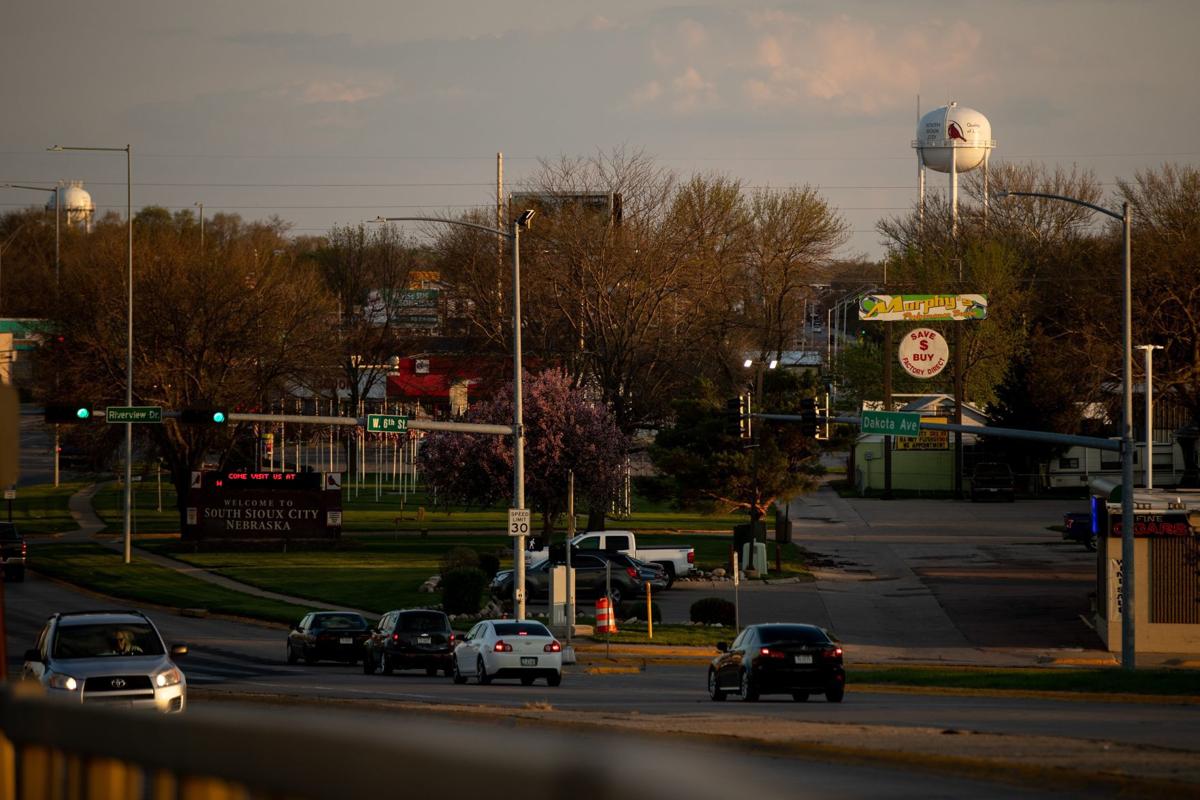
218 416
83 413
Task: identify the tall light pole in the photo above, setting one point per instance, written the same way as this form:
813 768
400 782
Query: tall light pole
201 207
1149 349
1128 650
519 224
128 151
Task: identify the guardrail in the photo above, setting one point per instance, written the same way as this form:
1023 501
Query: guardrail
55 749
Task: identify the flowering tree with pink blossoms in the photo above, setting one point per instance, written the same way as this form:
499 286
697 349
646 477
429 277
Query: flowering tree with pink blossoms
563 431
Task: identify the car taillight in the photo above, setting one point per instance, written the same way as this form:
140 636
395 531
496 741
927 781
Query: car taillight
833 652
395 637
691 556
631 572
24 548
767 652
451 639
502 647
553 647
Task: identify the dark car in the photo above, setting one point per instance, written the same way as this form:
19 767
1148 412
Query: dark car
590 577
328 636
779 658
410 639
1077 527
992 481
12 552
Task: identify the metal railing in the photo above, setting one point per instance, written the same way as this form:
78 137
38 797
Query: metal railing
51 749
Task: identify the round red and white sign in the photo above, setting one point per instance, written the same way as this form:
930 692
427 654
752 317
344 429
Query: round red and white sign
924 352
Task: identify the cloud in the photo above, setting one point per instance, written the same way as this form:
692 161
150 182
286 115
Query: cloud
330 91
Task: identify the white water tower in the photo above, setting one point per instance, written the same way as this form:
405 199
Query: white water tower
77 203
953 139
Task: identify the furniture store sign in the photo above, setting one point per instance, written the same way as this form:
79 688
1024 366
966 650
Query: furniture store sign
922 307
923 352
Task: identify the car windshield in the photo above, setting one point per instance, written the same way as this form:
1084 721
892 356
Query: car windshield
109 639
339 622
805 634
416 623
993 471
521 629
8 531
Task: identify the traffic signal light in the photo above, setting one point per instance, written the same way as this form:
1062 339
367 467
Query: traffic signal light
64 413
203 416
737 411
808 416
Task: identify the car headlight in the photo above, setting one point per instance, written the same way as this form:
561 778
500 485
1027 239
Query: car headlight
168 677
60 681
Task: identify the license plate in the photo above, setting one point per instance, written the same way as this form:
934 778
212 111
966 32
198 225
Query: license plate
528 661
803 659
346 640
423 640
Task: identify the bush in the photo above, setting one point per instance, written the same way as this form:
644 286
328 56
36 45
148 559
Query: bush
458 558
711 610
490 564
636 609
462 590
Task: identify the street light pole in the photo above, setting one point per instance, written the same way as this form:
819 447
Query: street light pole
1128 649
201 205
521 222
1149 349
128 151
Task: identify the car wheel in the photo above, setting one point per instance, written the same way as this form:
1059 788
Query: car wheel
834 694
615 599
714 690
527 680
385 664
18 575
431 672
481 673
1090 545
291 654
310 659
748 690
368 664
448 671
458 676
554 680
800 697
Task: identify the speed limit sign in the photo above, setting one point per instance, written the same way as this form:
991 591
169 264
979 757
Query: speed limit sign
518 521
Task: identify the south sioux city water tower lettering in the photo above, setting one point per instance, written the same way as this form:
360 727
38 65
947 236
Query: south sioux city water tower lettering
263 505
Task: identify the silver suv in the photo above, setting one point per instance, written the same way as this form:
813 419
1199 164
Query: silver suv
111 657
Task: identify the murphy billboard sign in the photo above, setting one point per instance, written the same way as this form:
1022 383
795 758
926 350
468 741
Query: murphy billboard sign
922 307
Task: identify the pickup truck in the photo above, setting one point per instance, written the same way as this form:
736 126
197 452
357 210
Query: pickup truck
677 561
12 552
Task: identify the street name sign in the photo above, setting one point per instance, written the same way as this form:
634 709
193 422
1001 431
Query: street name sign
133 414
891 423
518 521
386 423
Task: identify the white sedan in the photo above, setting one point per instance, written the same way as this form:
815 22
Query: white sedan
506 648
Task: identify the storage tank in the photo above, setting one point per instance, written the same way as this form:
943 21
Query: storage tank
77 204
953 139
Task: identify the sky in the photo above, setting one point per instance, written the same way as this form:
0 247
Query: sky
333 113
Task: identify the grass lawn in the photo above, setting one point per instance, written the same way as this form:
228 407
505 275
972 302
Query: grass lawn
109 505
680 635
43 508
375 574
103 570
1102 681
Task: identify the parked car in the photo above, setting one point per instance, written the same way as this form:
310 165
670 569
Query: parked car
415 638
13 551
112 657
779 658
1077 527
590 578
677 561
329 636
505 648
992 481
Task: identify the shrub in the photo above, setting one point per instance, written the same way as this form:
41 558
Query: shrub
459 557
490 564
636 609
462 589
711 610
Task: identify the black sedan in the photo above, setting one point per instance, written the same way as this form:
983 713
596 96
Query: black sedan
328 635
779 658
414 638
